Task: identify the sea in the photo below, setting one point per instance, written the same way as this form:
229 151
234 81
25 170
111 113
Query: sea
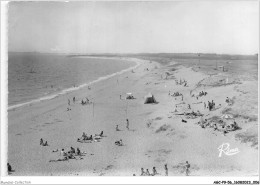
33 77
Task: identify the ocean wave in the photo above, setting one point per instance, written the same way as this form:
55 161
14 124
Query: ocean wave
68 90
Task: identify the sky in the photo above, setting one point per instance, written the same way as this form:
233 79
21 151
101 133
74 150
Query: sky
224 27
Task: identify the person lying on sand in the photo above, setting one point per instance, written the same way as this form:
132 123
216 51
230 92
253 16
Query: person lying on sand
55 150
184 121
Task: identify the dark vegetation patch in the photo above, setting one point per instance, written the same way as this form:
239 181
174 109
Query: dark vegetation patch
248 138
162 128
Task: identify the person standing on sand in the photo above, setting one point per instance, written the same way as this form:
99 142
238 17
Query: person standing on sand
68 101
127 124
154 172
166 170
9 167
187 166
142 172
147 172
74 99
117 129
205 105
41 141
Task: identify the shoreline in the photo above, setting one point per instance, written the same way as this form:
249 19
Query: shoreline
71 89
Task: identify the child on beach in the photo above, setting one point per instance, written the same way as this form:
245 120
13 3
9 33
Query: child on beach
41 141
187 166
166 170
127 124
117 129
147 172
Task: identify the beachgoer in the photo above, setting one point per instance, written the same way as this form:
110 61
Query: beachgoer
84 135
74 99
41 141
120 96
70 155
187 166
127 124
45 144
117 129
9 167
166 170
205 105
154 172
101 134
215 126
68 101
72 150
142 172
62 152
147 172
78 151
189 106
181 97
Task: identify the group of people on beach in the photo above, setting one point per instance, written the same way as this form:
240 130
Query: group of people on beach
211 105
181 82
84 137
202 93
186 167
219 125
85 102
70 154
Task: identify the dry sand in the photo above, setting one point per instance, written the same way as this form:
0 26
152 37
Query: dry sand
166 140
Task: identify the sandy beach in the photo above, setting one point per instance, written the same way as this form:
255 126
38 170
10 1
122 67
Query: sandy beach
157 135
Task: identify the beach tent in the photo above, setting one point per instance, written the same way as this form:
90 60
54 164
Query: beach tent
149 99
129 96
227 116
